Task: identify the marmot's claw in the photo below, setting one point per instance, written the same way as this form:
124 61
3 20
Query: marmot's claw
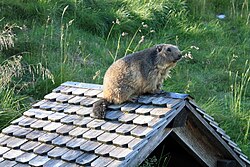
133 99
160 91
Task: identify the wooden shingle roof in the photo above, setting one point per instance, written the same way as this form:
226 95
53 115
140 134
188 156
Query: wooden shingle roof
60 130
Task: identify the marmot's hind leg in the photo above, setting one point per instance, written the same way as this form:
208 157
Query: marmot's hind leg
123 94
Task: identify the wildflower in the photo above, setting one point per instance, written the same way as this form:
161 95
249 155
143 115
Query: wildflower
235 56
124 34
188 55
24 28
70 22
194 47
152 31
142 39
144 25
97 74
117 21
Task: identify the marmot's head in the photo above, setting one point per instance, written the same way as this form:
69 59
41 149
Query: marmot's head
168 54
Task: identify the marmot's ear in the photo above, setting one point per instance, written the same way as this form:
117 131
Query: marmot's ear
159 48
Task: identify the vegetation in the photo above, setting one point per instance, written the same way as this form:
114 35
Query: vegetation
46 42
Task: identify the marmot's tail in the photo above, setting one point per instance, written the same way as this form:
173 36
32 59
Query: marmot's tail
99 109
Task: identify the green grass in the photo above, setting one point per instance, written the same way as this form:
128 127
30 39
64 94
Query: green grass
78 41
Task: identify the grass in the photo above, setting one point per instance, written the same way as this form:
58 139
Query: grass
78 40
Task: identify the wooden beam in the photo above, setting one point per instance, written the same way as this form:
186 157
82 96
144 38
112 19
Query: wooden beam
226 163
180 119
215 138
195 144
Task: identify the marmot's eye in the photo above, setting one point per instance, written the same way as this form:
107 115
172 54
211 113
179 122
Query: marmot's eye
169 50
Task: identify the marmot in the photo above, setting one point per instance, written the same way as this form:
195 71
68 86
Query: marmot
135 74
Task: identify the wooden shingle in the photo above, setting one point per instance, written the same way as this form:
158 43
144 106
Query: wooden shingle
27 122
92 93
10 130
39 161
3 150
8 163
144 109
75 143
16 121
86 159
84 111
12 154
60 107
51 96
43 148
79 91
22 132
82 122
15 142
122 141
130 107
113 115
64 98
56 117
125 129
30 146
47 137
110 126
141 132
57 152
64 129
71 155
107 137
3 139
26 157
87 102
48 105
54 163
121 153
102 161
52 126
61 140
92 134
90 146
39 124
78 131
104 150
95 124
35 134
127 118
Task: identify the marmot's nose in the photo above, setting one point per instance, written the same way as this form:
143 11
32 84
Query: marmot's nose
179 56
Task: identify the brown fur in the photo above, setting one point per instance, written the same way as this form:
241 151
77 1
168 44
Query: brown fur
138 73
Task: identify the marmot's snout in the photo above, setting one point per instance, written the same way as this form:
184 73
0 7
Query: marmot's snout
179 56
